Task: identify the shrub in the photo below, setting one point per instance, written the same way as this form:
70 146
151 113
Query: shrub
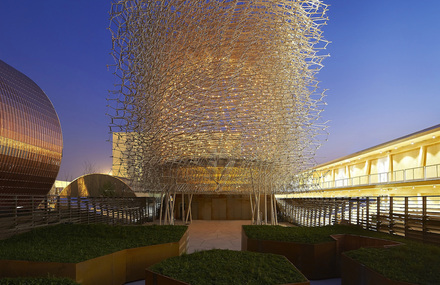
229 267
414 262
80 242
307 234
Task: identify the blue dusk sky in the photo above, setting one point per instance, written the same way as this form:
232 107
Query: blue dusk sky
382 76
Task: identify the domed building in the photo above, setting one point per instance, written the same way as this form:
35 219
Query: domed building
31 140
98 185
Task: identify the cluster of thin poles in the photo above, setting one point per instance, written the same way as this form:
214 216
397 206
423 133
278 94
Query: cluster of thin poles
217 96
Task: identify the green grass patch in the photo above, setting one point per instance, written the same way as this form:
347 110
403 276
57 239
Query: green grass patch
414 262
37 281
229 267
311 235
72 243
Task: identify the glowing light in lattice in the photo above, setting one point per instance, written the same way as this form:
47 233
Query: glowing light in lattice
216 96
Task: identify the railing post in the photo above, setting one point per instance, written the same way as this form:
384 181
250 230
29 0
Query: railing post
58 205
33 211
330 214
304 223
367 214
118 207
391 216
69 207
335 215
87 209
308 217
94 210
113 213
342 209
357 212
406 216
378 214
46 209
320 215
350 206
15 212
425 230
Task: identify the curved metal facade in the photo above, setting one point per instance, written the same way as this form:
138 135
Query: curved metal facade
98 185
31 140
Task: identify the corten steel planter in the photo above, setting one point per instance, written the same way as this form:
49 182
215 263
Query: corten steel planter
315 261
115 268
347 242
353 273
153 278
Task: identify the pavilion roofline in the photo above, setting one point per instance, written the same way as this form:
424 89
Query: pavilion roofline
414 135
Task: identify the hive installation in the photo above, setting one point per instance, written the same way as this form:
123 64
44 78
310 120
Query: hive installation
217 97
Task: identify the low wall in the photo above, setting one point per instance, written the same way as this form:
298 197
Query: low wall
354 273
315 261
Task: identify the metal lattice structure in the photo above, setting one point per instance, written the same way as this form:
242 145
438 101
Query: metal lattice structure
216 96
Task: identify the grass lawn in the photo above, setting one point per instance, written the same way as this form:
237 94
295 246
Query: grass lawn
308 234
73 243
414 262
37 281
229 267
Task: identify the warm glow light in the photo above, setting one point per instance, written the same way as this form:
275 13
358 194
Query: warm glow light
217 96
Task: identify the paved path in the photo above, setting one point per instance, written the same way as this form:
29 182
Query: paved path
205 235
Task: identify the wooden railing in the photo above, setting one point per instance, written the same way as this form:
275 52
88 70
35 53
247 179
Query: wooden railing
20 213
415 217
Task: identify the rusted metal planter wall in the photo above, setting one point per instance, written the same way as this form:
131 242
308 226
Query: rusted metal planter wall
346 242
116 268
315 261
153 278
137 259
354 273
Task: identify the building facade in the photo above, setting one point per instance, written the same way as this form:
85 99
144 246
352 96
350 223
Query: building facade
31 140
406 166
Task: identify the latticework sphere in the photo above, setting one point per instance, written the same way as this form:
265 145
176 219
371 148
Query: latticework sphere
216 96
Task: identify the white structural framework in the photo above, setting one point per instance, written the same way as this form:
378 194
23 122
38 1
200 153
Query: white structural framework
217 96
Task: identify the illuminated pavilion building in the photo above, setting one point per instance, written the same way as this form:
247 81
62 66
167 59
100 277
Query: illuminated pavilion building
406 166
31 141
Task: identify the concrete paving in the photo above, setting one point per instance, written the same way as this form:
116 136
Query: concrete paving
205 235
